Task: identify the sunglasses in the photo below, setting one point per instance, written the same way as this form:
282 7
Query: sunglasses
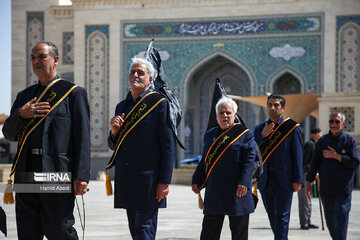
332 121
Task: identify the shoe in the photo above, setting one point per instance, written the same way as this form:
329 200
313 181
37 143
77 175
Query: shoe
313 226
304 227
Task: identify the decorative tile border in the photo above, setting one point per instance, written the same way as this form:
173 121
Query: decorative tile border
341 22
97 83
34 33
92 28
68 48
225 27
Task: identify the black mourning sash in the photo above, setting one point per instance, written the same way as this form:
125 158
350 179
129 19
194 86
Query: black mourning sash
54 93
276 137
137 113
217 149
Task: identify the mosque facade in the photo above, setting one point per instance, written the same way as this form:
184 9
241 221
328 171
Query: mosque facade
253 46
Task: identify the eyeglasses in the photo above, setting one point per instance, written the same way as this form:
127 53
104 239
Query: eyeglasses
332 121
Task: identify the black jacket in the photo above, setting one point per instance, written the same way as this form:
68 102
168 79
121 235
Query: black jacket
66 134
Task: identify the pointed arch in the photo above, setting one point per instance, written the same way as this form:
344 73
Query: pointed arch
196 89
284 70
187 77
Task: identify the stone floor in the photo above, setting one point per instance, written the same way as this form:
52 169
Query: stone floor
182 219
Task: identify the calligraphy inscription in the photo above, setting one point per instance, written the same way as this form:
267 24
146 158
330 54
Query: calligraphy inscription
134 116
271 144
217 28
218 145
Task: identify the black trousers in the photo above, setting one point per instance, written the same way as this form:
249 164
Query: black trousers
212 225
45 214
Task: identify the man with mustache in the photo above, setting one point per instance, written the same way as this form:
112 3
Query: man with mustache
228 161
282 152
144 152
336 158
50 121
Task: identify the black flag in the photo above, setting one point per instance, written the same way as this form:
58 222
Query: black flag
219 92
3 221
153 56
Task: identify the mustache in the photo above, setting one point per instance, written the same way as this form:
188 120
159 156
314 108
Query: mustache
135 80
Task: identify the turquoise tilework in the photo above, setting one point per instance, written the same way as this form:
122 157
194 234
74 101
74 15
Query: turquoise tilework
35 15
29 42
240 26
253 52
342 20
92 28
249 42
67 48
251 47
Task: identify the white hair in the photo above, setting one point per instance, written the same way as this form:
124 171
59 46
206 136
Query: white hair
226 100
149 66
337 113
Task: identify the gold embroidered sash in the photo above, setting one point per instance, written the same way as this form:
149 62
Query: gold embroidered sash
137 113
276 137
217 148
54 93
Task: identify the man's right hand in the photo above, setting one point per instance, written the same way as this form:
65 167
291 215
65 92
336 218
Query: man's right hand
195 188
308 190
269 128
115 123
32 109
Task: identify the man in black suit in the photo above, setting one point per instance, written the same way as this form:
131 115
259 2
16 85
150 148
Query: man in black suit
50 122
144 152
304 201
282 155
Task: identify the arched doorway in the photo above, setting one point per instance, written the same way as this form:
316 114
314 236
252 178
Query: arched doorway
287 83
200 90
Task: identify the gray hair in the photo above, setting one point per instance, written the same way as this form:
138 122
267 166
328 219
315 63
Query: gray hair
337 113
149 66
53 50
226 100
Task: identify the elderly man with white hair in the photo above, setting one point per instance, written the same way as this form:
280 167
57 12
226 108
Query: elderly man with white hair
225 172
336 158
144 152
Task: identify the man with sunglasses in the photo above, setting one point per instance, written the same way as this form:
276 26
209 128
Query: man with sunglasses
336 158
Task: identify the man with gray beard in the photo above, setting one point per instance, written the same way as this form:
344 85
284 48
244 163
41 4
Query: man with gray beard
144 152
